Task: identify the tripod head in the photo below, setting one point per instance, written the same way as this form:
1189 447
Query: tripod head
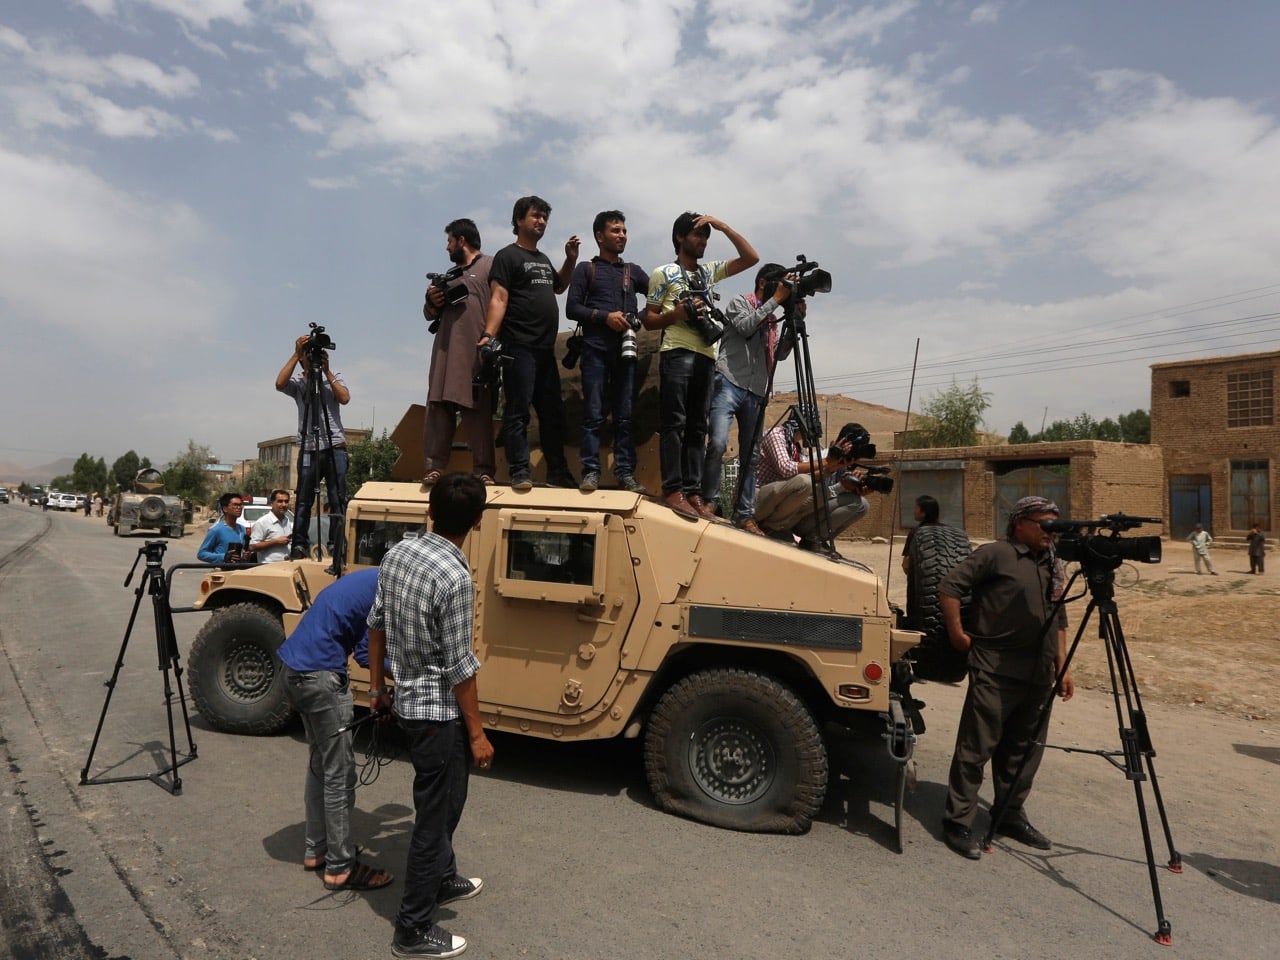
153 550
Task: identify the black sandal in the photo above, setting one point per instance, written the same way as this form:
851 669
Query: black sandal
361 877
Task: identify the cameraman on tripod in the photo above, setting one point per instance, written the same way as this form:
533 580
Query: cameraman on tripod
1016 641
322 443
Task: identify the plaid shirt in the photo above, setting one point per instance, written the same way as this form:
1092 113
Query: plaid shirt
776 461
424 604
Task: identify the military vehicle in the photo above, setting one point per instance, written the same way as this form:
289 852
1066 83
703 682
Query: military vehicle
607 615
147 507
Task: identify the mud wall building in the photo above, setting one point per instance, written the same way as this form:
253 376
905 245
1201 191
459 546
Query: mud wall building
1215 420
976 486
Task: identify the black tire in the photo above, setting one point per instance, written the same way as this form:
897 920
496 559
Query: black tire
935 549
152 509
736 749
236 679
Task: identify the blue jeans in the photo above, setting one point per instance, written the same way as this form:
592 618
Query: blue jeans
605 375
439 754
729 401
532 378
684 381
323 700
331 466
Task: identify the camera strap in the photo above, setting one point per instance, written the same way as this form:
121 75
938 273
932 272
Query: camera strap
626 282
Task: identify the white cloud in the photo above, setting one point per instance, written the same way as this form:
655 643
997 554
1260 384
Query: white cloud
82 257
199 13
985 13
332 183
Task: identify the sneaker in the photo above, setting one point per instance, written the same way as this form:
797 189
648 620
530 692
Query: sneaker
458 888
590 482
435 941
521 481
629 483
962 841
298 553
1024 832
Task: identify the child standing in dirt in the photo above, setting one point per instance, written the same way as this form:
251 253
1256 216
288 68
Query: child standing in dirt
1200 542
1257 549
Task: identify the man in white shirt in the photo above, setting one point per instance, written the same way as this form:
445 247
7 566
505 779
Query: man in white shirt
269 536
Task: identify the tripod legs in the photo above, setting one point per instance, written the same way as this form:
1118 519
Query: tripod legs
153 583
1136 751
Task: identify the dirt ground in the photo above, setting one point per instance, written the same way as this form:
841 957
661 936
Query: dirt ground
1210 643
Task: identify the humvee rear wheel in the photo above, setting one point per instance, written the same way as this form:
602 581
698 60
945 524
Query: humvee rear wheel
236 679
736 749
935 549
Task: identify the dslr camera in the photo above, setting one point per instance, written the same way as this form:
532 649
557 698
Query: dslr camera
705 317
489 373
453 295
630 343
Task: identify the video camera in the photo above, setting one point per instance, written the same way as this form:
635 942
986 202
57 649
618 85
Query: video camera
705 317
1098 544
452 295
809 279
317 342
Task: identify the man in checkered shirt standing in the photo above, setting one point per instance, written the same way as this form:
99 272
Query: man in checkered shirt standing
421 618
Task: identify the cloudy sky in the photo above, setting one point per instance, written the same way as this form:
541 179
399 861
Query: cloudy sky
1050 196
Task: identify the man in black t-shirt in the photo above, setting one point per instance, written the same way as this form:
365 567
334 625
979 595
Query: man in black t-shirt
522 306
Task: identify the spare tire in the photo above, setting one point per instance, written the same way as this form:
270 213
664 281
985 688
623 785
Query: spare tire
152 509
935 549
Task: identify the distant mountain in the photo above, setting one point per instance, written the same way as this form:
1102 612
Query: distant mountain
12 474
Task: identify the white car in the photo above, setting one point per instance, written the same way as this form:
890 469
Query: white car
62 501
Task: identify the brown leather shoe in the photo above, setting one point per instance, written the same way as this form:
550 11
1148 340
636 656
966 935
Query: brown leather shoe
750 525
676 501
701 507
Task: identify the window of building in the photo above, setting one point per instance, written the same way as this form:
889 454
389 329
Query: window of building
1250 494
1179 388
1249 399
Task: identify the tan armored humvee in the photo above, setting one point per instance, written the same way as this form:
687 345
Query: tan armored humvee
607 615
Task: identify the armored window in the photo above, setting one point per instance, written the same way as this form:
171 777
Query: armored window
1179 388
558 557
375 537
1250 400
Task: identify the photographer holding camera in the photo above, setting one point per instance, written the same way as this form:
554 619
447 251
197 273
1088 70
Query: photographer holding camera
522 307
322 446
602 299
458 308
749 350
681 306
1016 641
785 482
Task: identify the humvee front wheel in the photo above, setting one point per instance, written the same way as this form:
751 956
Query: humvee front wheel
236 680
736 749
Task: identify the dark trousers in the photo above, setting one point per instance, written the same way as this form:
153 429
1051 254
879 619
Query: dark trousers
997 723
1257 564
440 775
685 380
532 379
609 380
331 466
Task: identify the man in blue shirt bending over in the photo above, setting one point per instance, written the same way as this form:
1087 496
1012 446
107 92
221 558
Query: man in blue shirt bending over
316 684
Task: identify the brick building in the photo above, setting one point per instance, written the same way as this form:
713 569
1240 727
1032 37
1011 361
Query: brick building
976 486
1215 420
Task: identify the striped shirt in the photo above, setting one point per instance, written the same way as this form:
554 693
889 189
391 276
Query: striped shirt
424 605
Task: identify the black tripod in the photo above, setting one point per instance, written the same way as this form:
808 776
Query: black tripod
1136 755
318 434
155 584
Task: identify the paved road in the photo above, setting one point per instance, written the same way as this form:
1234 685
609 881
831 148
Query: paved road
577 862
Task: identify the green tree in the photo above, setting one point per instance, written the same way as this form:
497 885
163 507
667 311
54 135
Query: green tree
1019 433
1135 426
370 460
89 476
187 474
259 480
126 468
951 418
